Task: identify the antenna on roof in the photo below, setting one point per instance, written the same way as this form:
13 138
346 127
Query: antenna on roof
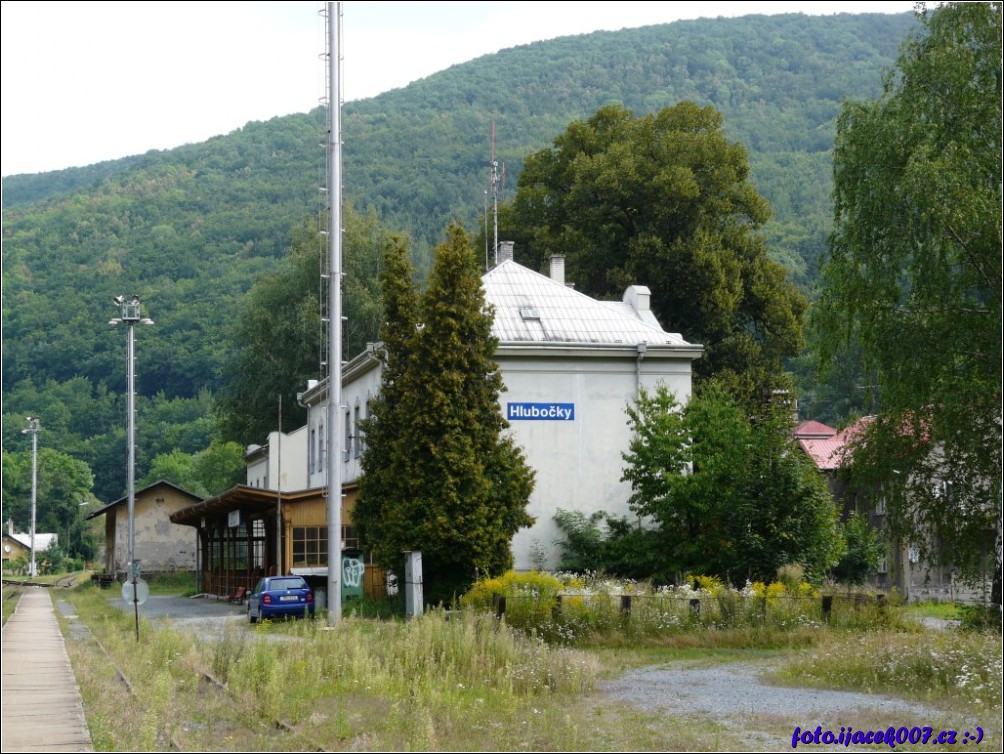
495 180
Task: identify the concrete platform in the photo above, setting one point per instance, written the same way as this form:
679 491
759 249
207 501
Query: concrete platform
42 708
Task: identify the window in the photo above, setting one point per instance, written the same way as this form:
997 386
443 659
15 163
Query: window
310 546
320 444
350 536
228 548
357 449
258 543
365 415
348 437
883 565
311 455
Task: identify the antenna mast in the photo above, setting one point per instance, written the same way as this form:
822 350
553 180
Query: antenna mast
495 180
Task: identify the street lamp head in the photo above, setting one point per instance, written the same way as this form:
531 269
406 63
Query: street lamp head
146 321
129 310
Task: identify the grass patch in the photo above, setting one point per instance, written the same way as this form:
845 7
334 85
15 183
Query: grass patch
466 681
11 594
176 584
955 669
941 610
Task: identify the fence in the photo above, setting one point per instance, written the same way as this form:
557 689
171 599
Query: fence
658 612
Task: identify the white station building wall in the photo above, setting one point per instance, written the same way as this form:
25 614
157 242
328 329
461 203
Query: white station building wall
577 451
571 365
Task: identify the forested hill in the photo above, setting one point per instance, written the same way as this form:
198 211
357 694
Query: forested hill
189 229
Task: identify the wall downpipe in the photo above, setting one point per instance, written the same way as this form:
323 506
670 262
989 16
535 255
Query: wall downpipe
637 369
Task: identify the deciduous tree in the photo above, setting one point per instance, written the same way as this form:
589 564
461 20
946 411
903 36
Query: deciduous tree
277 336
914 277
665 200
63 483
728 494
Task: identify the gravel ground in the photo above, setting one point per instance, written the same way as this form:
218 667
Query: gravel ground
209 617
736 691
762 716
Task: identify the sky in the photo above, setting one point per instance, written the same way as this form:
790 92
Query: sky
84 82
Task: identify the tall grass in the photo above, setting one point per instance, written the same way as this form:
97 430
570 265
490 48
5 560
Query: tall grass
421 657
945 667
456 681
444 681
11 595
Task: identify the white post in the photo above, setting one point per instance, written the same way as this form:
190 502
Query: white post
278 496
33 431
130 315
334 477
414 599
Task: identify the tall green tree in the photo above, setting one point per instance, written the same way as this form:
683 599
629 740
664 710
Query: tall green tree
914 278
386 430
208 472
276 345
665 200
63 483
728 493
440 473
277 337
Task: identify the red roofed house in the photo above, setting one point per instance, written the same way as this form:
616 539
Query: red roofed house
903 569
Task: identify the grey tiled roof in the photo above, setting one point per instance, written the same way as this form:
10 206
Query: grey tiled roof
530 307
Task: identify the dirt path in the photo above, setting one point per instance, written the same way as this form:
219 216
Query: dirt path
737 697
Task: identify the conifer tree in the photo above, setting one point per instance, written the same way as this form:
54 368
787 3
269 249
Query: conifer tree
440 474
382 478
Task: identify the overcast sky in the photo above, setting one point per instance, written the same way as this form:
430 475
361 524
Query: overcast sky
84 82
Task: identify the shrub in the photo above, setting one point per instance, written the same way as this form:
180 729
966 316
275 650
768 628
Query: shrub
980 617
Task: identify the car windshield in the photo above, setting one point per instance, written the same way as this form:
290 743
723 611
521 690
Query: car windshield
296 583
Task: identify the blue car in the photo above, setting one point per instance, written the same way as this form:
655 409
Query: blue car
280 597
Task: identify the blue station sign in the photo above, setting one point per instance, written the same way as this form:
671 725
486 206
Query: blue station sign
558 412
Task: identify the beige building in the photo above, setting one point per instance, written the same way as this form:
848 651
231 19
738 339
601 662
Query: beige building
18 544
160 545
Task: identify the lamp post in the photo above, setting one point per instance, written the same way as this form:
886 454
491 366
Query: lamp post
33 431
129 314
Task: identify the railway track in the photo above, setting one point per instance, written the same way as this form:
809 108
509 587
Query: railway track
209 681
63 582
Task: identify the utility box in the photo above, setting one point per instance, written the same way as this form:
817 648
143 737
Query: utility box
353 575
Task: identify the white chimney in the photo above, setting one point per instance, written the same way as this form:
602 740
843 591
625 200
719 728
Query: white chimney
637 296
558 268
505 251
